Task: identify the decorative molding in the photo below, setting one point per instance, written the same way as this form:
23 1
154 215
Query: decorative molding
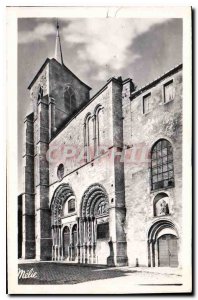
92 198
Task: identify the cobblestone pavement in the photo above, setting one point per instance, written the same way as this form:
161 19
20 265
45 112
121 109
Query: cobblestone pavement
56 273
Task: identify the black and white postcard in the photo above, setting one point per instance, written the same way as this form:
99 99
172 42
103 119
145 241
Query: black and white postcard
99 150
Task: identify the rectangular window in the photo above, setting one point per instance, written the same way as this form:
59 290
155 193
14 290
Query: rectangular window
71 206
146 103
168 91
103 231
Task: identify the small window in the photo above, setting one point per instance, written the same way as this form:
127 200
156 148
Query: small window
168 91
161 205
60 171
71 205
40 93
103 231
146 103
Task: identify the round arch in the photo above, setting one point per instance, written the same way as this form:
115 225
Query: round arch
161 137
97 109
94 194
161 165
159 225
165 207
162 239
60 196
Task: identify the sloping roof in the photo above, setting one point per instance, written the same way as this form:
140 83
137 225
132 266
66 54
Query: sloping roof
38 73
44 65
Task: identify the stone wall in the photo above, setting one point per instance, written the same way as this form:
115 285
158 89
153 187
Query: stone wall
141 131
105 169
68 146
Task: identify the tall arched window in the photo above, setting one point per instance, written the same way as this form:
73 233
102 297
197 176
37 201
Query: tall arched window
71 205
70 99
98 114
88 136
162 173
40 93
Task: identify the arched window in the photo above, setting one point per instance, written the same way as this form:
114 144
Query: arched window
161 205
40 93
71 205
60 171
88 136
162 174
98 115
66 242
70 99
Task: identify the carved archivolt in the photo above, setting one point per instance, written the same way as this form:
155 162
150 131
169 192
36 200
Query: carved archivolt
158 226
94 201
61 194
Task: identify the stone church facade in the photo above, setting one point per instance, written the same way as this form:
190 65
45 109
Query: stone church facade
103 175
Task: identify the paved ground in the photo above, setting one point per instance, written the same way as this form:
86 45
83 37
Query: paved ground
57 273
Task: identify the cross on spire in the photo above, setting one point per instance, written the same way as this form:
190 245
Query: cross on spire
58 50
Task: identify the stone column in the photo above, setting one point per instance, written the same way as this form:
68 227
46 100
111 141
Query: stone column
94 239
153 253
149 253
28 197
61 236
78 239
59 242
89 239
52 242
156 254
71 244
85 240
55 244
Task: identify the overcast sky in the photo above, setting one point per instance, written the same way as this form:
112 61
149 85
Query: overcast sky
95 50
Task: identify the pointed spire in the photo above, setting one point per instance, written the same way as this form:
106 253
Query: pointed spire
58 50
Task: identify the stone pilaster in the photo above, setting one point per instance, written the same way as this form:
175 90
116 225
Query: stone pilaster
42 210
117 210
28 213
128 88
52 127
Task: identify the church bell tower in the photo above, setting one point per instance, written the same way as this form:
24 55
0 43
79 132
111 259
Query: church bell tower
56 94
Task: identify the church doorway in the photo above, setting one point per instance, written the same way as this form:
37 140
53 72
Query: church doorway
163 244
66 242
94 226
167 251
63 203
74 243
